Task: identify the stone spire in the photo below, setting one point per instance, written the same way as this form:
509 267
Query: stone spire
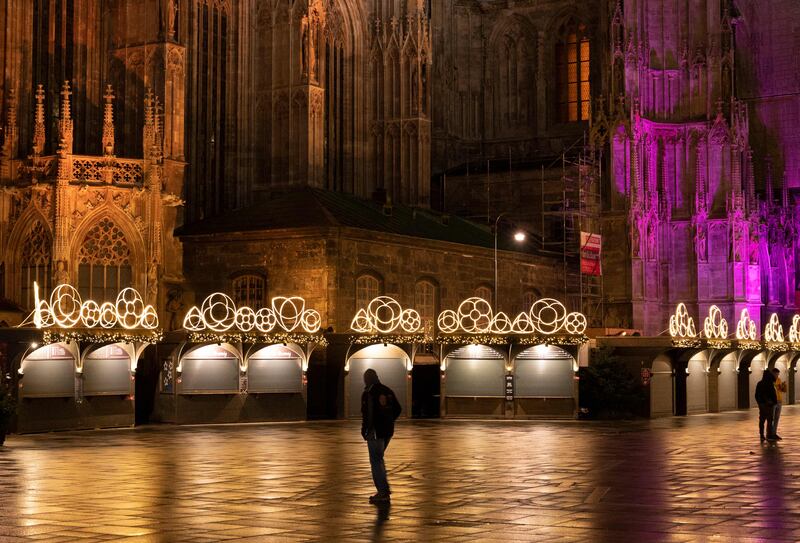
750 181
768 181
10 141
39 134
108 123
65 122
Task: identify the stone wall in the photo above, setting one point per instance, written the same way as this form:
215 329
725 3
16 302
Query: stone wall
322 266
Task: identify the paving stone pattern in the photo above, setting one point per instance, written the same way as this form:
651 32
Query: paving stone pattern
699 478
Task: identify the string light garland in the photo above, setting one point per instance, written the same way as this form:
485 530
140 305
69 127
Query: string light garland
51 336
219 313
374 339
257 338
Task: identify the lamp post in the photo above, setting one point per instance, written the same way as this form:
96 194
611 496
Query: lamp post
519 237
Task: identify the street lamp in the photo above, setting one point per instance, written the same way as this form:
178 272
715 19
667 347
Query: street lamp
519 237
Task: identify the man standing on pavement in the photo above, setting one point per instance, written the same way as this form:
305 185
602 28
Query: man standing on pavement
379 410
780 388
766 399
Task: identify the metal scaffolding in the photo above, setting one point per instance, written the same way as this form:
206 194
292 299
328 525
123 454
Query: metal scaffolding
569 207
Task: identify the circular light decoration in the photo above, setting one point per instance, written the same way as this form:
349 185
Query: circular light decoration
385 314
773 331
193 321
360 322
245 319
522 324
265 320
149 318
130 308
448 321
501 324
714 325
548 315
219 312
746 327
65 309
794 330
91 314
575 323
475 316
311 321
681 325
288 311
410 321
65 306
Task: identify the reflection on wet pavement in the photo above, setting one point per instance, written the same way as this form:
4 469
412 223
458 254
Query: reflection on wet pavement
700 478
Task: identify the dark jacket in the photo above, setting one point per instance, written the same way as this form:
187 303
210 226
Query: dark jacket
765 389
379 410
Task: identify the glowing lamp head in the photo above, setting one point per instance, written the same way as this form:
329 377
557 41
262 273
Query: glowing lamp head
519 237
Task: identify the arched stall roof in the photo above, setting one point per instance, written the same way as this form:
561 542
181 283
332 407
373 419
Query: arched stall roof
473 351
103 350
388 351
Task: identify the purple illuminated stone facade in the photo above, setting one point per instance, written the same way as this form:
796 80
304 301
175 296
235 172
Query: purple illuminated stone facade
708 216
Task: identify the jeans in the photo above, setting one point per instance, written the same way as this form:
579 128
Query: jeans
377 446
776 416
765 415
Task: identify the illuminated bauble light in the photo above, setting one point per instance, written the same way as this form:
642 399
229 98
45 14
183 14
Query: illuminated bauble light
746 327
219 313
385 315
288 311
773 331
575 323
501 324
714 325
447 321
65 309
475 316
794 330
519 236
522 324
548 315
681 325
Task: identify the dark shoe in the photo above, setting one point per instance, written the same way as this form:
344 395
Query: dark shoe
379 498
779 438
763 439
772 439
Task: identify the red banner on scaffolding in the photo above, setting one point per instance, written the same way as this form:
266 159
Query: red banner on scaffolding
590 253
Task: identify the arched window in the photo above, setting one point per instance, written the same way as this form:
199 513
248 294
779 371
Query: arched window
35 263
104 262
528 299
249 290
367 287
485 293
572 60
425 301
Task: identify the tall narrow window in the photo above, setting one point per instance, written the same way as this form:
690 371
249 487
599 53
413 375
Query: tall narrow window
35 264
249 290
104 262
425 301
367 288
573 59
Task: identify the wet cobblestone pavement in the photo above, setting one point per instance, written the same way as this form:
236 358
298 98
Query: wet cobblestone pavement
699 478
